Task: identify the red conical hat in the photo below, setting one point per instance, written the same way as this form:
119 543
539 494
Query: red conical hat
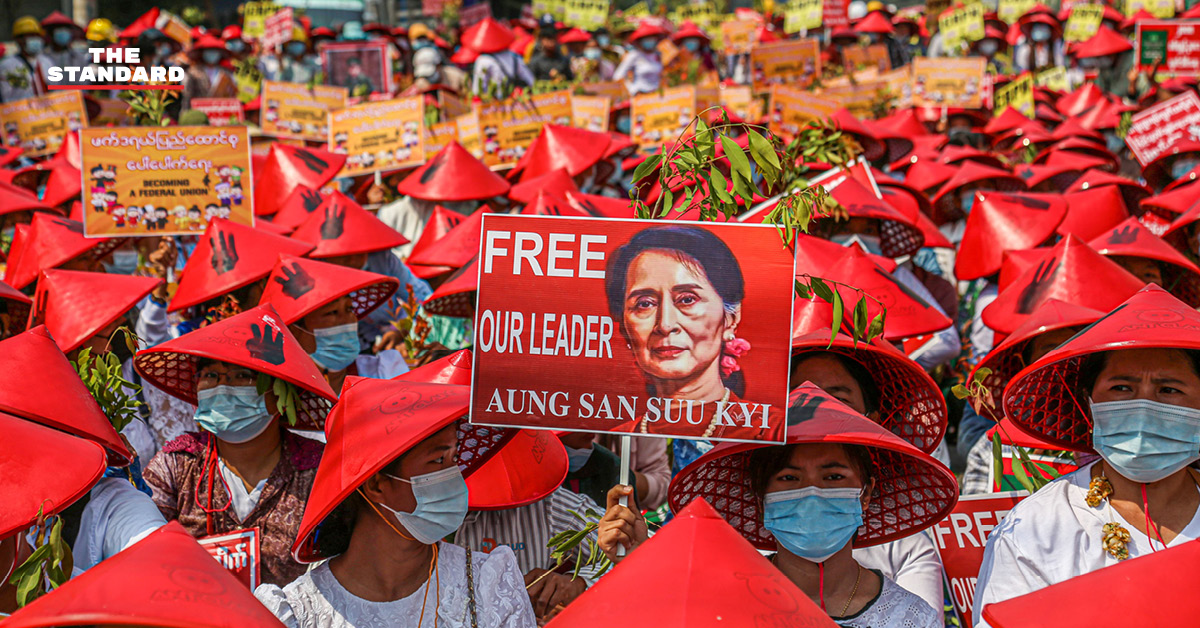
289 166
440 222
76 305
1156 174
905 123
600 206
244 255
873 147
1072 128
179 585
926 174
911 405
972 172
56 397
898 235
342 227
999 222
550 204
567 147
907 314
676 579
297 287
1142 588
1093 211
1008 120
456 247
912 490
1133 239
875 22
1072 159
647 29
442 178
64 184
256 339
1058 151
1105 42
297 207
1061 175
1081 100
49 242
373 423
1176 201
557 182
487 36
1041 398
957 155
456 297
1072 272
914 204
815 256
1007 358
43 471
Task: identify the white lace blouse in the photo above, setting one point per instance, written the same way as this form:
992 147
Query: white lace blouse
894 608
318 600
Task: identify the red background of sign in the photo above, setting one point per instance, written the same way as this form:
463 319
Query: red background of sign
767 269
962 560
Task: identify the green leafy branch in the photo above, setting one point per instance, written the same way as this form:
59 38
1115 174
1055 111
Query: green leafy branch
43 571
570 545
148 107
410 320
101 373
860 326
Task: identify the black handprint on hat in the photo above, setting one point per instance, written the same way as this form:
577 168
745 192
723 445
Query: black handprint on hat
266 345
333 226
311 199
224 253
1125 235
804 409
433 167
1034 293
1031 203
311 161
296 282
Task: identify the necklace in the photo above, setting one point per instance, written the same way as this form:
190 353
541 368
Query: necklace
644 427
1114 538
857 578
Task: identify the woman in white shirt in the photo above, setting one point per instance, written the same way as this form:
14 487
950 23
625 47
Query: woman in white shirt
389 488
1128 387
641 68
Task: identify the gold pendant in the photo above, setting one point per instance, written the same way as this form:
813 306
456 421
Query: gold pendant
1115 540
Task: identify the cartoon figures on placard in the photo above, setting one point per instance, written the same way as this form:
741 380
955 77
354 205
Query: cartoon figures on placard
12 137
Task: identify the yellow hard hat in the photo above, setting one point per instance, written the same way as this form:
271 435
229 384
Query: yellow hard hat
875 5
419 30
27 26
298 34
101 29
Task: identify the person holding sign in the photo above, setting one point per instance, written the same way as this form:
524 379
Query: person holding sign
1042 47
1127 387
206 76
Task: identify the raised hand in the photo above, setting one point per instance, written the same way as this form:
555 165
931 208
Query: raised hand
266 345
312 200
311 161
804 409
1125 235
333 227
224 253
296 282
1033 294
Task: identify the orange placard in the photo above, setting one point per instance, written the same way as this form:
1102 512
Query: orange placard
294 110
874 56
660 118
795 63
39 124
859 98
508 127
791 109
615 90
590 112
438 135
377 136
741 101
142 181
738 36
468 134
946 82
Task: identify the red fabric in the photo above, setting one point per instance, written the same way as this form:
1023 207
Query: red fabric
341 227
76 305
441 178
1000 222
297 287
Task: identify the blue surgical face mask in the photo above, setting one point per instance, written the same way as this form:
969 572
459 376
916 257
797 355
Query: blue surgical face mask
813 523
236 46
988 47
441 505
603 40
295 48
122 262
1183 166
211 57
592 53
692 45
236 414
164 50
337 347
967 202
869 243
422 43
1115 143
1143 440
62 37
1040 33
647 44
577 458
34 45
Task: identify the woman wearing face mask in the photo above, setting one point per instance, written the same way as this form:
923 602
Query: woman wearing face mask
244 469
992 47
1128 388
694 40
833 487
61 33
23 75
206 76
322 304
294 65
641 68
234 43
1042 46
390 487
592 66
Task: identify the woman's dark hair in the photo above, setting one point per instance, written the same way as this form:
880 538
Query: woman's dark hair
333 533
690 245
1095 362
765 462
866 383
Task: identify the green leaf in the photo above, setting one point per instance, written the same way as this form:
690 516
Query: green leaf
1023 478
802 290
718 184
860 317
837 315
876 329
960 391
646 167
818 286
738 163
764 155
997 458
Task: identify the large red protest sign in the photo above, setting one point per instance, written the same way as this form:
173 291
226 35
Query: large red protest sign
1169 46
960 539
1154 131
667 329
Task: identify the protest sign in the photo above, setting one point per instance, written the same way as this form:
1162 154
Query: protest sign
468 134
635 12
376 136
701 13
293 110
1009 459
1018 94
859 98
803 15
220 111
238 552
615 90
438 135
899 87
1169 47
834 14
1154 131
588 15
432 8
960 540
174 27
943 82
659 118
741 101
277 29
1010 10
363 67
473 14
508 127
1083 22
113 112
873 56
38 124
589 359
738 36
1054 78
793 63
590 112
164 181
254 18
962 26
791 109
1162 9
